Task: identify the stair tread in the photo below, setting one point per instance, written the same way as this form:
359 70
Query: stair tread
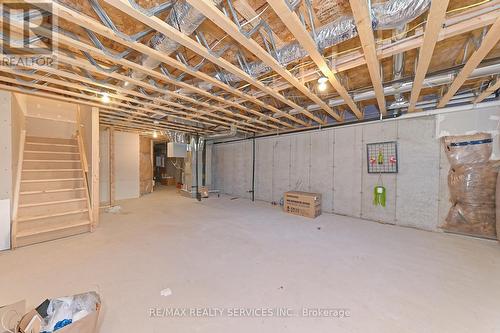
48 180
31 137
38 217
49 227
51 202
33 170
57 161
51 144
51 152
52 191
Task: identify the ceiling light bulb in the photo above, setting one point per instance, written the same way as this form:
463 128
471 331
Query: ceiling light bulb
322 86
105 98
322 80
155 134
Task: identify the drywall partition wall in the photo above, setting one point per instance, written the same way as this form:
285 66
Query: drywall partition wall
18 121
126 152
333 163
5 168
49 118
4 224
5 145
104 167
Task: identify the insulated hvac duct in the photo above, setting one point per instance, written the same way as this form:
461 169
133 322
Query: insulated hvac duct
177 137
182 17
389 15
224 135
398 65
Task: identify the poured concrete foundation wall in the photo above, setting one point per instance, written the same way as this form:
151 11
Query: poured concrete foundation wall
333 163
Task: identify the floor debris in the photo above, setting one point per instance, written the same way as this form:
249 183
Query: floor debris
166 292
114 210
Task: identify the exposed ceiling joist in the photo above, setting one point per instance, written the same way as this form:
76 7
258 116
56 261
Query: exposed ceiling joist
153 94
363 19
488 91
179 37
245 10
63 39
489 41
57 97
293 24
433 26
73 16
146 106
91 99
123 92
91 68
469 20
216 16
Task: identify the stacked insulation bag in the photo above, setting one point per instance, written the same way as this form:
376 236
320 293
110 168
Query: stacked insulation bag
472 182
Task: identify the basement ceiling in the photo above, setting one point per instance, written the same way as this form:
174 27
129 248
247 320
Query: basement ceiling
201 66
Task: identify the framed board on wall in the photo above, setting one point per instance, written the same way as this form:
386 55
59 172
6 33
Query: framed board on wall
382 157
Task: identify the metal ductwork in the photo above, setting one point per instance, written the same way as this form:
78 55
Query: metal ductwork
398 63
184 121
182 17
177 137
224 135
389 15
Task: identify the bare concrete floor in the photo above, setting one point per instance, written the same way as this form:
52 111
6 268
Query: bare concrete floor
228 254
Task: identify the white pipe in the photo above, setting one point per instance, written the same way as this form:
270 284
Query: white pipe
468 107
437 80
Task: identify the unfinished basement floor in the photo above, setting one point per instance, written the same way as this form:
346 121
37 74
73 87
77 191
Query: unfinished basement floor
224 253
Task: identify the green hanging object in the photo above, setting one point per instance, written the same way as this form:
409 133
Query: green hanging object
380 158
379 193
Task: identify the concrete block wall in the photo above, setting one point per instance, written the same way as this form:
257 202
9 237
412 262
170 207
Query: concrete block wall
333 163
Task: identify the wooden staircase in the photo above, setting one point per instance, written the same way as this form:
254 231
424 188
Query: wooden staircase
52 191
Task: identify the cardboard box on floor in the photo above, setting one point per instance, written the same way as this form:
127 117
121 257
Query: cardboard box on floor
10 315
88 324
14 318
302 203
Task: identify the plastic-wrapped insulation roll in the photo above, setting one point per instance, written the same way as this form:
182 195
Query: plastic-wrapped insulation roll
472 183
468 149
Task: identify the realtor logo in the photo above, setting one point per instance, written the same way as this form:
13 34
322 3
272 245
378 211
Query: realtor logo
27 33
